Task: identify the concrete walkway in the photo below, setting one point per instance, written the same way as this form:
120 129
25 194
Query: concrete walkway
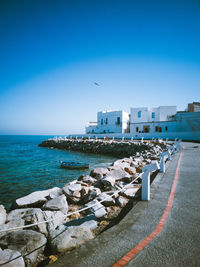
179 242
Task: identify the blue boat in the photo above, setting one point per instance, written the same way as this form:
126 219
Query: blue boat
74 165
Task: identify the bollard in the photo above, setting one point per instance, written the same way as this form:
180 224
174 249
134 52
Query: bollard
131 138
173 149
113 138
142 139
177 144
146 179
76 137
104 138
89 137
162 159
123 138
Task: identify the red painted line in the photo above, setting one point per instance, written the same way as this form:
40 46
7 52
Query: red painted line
133 252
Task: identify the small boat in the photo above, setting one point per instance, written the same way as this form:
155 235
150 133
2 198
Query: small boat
74 165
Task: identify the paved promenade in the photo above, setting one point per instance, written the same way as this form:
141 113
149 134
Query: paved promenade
178 244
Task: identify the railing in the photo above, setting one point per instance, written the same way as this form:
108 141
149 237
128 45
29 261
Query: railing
147 169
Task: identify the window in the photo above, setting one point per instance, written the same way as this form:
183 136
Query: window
166 128
139 114
153 115
118 121
160 129
146 129
106 120
137 129
156 129
101 121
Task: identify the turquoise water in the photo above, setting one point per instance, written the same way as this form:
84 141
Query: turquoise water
25 167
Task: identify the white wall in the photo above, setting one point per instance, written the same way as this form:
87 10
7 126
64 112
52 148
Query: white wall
161 114
108 121
165 112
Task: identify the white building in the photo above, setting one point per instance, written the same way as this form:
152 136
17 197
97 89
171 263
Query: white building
160 122
140 117
183 125
114 121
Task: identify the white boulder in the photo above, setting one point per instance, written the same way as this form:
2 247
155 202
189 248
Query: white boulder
27 242
65 240
2 215
57 203
7 257
35 198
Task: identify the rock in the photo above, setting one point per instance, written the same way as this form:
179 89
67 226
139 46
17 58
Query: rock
122 163
112 212
130 170
134 164
72 237
7 255
130 192
85 190
92 194
2 215
108 182
73 192
55 193
138 159
98 173
119 175
121 201
96 208
109 201
57 203
35 199
30 216
57 218
12 224
98 184
92 224
26 242
148 161
87 179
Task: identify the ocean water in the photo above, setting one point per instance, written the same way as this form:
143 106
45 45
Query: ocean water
25 167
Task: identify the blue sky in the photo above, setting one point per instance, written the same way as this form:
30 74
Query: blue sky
142 53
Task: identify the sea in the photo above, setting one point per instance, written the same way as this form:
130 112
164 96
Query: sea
25 167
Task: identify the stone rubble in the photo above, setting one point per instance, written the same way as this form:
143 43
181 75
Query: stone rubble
87 191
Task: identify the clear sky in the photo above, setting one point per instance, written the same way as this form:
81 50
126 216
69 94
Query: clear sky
141 53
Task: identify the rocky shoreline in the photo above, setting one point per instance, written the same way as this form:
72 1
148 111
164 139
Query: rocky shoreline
77 212
108 146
